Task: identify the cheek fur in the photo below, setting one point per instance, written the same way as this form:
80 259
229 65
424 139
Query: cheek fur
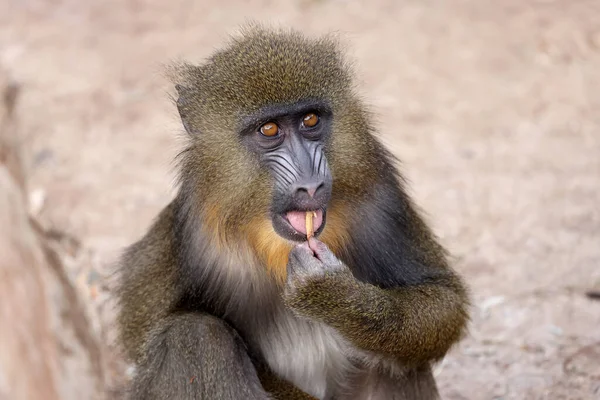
269 247
236 205
336 233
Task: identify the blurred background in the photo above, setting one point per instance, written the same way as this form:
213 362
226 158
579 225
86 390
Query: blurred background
493 107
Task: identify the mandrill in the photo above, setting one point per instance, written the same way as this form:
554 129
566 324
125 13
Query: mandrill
291 264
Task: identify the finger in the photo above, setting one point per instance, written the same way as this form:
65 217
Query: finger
316 245
301 252
302 258
322 252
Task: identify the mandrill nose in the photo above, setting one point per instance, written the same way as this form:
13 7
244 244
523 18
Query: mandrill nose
307 189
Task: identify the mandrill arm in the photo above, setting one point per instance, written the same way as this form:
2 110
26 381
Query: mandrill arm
416 324
385 298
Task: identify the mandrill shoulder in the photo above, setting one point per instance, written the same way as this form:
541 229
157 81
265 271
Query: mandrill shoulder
147 281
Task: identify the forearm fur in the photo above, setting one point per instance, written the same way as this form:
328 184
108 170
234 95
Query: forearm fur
416 324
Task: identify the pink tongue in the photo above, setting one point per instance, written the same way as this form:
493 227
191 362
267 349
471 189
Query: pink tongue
298 220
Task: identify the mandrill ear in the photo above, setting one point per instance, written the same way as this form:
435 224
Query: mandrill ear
183 106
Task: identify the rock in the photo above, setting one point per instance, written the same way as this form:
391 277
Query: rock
47 347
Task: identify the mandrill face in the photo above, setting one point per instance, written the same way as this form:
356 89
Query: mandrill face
290 141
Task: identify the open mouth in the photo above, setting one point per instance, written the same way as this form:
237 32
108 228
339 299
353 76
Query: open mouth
298 220
293 224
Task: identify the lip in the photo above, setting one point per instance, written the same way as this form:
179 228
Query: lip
284 229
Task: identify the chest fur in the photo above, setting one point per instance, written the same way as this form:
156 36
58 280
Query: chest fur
311 355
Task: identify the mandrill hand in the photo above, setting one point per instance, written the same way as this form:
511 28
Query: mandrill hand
312 258
318 283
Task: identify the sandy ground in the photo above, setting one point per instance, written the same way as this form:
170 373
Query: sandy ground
493 106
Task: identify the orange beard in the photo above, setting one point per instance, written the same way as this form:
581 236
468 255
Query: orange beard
271 249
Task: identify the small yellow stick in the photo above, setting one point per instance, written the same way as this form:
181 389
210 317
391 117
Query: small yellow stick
309 224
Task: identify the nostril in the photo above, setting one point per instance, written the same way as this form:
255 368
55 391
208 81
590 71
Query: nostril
319 185
309 188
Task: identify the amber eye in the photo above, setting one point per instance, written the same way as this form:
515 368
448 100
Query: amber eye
269 129
310 120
